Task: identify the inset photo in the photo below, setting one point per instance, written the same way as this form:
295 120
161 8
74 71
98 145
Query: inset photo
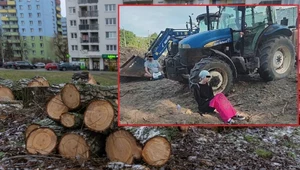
208 65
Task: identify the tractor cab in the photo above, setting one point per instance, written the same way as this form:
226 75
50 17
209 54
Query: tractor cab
202 21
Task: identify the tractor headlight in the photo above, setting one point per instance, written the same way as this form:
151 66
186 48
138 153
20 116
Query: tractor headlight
185 46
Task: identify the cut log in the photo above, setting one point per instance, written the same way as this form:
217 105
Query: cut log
156 151
31 128
122 146
41 141
84 77
36 94
38 81
55 107
91 79
70 96
99 115
74 146
71 120
6 94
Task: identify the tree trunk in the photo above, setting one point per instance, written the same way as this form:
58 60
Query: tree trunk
156 151
122 146
55 107
41 141
38 81
70 96
71 120
99 116
6 94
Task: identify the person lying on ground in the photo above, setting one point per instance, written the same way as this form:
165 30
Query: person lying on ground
208 102
151 66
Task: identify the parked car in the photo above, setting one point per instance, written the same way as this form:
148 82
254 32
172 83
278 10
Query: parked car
40 65
68 66
51 66
9 64
23 64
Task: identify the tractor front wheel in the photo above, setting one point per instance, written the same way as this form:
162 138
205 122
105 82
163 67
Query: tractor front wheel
221 74
277 56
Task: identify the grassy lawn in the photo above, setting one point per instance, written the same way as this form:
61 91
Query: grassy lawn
56 77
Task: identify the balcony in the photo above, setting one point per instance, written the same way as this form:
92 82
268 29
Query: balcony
3 3
11 34
87 1
58 22
58 8
11 2
88 14
11 11
13 41
89 27
57 2
9 18
10 26
58 16
89 40
137 1
59 29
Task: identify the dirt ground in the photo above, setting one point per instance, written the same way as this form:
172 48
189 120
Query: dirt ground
154 102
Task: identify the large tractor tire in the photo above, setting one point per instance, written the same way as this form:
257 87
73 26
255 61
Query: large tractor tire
277 56
222 76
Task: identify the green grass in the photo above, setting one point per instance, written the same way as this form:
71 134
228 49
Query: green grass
264 153
56 77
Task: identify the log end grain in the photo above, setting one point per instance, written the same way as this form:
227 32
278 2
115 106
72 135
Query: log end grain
55 107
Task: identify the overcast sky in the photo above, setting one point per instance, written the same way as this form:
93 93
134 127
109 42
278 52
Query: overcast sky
142 19
63 7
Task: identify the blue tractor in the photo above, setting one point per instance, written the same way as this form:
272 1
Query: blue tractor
247 40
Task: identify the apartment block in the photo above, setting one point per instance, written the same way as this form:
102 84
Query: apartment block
29 26
92 32
64 27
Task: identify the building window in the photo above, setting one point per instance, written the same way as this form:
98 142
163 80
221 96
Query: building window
110 7
30 15
41 45
40 23
23 30
24 38
23 23
72 10
40 30
37 0
32 38
41 37
39 14
29 7
73 22
31 29
22 15
110 21
42 52
73 35
37 6
111 34
31 22
21 7
32 45
74 47
111 47
25 45
33 51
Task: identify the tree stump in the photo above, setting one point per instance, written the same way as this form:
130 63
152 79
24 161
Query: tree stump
122 146
74 146
70 96
156 151
6 94
42 141
55 107
71 120
99 115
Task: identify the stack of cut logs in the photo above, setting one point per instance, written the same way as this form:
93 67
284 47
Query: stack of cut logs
82 123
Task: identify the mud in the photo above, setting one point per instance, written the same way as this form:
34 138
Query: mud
154 102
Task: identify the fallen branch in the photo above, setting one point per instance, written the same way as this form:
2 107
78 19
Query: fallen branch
284 107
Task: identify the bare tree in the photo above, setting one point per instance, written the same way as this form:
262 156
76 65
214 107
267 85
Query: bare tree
8 52
24 48
60 45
